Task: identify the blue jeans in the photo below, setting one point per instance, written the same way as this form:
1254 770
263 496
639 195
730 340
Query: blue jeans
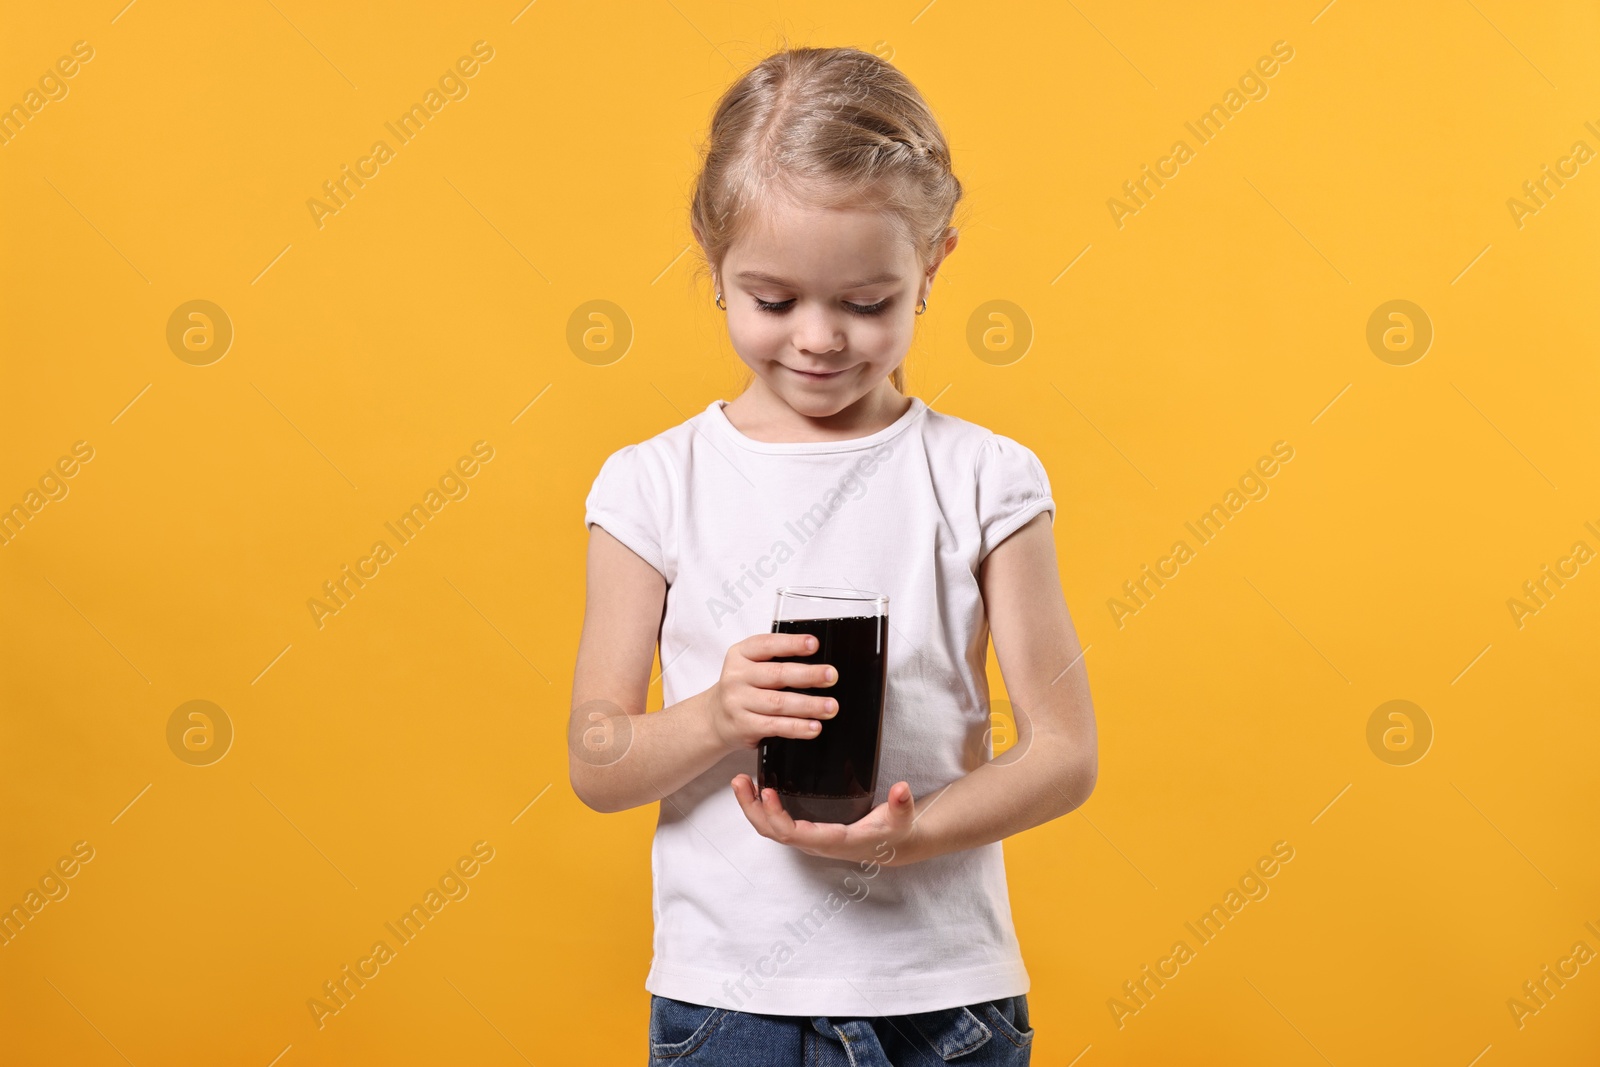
992 1033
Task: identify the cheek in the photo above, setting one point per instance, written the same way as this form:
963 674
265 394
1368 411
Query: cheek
754 334
881 339
758 339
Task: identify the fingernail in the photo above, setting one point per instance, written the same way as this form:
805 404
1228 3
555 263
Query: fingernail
811 642
833 675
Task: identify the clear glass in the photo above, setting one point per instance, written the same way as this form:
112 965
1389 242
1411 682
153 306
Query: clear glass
833 776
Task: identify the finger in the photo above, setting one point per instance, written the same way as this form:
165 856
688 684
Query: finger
760 812
794 728
781 702
766 646
780 821
894 816
776 675
813 838
902 808
744 790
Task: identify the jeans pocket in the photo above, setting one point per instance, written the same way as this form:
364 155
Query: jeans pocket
1009 1016
678 1028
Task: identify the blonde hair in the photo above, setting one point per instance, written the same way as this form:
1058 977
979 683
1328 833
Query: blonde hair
825 127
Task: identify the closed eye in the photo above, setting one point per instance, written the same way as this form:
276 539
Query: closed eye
781 306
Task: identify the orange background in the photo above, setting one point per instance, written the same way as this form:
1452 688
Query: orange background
369 353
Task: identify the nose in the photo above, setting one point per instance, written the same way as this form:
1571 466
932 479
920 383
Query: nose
818 330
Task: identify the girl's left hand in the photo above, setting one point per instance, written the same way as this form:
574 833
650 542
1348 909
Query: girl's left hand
890 823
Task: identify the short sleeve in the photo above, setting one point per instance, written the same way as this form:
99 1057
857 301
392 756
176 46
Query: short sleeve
622 500
1012 488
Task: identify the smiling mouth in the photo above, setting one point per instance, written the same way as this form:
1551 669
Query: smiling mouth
816 377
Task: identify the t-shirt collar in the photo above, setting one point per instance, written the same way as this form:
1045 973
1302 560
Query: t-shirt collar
717 419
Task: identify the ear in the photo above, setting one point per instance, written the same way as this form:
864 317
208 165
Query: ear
951 237
716 274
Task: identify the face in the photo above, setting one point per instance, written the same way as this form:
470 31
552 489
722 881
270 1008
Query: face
822 303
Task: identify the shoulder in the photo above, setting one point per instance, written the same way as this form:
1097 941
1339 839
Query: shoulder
653 461
635 493
975 449
1001 476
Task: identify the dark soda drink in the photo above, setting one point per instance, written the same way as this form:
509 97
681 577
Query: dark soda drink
833 776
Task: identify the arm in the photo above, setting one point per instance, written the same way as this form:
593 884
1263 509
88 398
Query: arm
1053 766
1048 772
619 757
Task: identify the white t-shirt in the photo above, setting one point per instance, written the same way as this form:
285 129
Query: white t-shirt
745 922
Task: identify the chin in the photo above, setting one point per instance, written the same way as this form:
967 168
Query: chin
816 405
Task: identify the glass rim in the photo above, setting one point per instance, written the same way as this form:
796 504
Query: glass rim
824 592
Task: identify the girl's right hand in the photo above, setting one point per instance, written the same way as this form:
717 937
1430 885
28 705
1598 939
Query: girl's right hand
747 703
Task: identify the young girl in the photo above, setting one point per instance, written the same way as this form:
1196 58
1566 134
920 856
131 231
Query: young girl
823 211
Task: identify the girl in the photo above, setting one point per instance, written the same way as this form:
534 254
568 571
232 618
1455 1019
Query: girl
823 210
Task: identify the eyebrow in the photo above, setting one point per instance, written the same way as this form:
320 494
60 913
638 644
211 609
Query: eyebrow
773 279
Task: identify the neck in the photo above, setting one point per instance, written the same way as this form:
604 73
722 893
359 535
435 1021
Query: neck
761 414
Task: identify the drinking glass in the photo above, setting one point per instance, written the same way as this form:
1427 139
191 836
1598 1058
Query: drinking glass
832 777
